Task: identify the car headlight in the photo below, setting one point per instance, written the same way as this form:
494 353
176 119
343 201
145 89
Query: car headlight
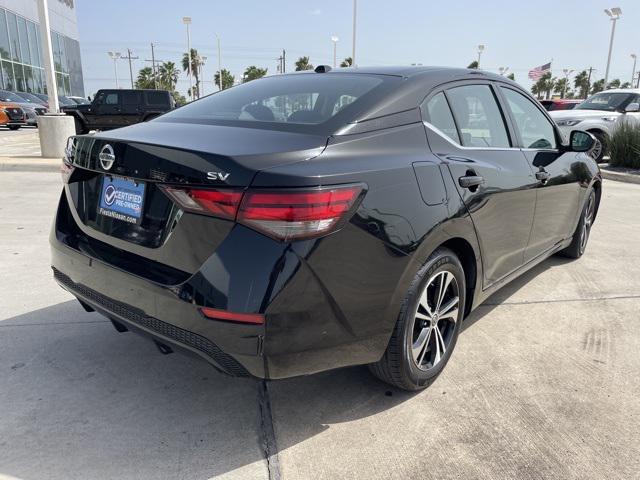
609 119
568 123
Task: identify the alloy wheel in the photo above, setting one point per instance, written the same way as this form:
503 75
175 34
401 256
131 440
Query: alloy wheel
435 320
588 222
596 150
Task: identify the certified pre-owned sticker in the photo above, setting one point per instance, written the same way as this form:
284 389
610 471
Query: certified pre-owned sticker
122 198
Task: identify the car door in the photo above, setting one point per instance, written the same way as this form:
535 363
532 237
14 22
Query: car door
467 130
558 174
131 102
105 110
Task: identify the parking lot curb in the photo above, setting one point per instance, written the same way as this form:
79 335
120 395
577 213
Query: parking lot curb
620 176
31 164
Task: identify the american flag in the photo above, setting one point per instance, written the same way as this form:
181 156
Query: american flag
538 72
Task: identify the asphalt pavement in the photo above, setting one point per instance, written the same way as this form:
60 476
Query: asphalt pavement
544 382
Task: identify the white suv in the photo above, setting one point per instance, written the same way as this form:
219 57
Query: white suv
599 115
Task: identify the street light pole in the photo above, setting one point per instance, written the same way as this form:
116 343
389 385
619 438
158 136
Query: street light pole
614 14
219 63
633 72
187 22
115 56
353 47
129 57
480 50
203 60
334 39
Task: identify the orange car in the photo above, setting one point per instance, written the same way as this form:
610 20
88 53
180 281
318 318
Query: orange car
12 116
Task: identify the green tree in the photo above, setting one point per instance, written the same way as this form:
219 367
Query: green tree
581 83
626 85
473 64
253 72
561 87
303 64
347 62
146 78
178 98
227 79
168 76
196 62
511 76
615 83
544 86
597 86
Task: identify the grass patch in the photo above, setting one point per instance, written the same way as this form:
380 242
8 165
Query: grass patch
624 146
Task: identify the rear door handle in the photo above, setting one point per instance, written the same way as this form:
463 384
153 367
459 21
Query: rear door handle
543 176
470 181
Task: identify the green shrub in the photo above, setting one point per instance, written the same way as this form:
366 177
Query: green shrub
624 145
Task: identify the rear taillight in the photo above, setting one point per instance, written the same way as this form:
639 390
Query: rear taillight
220 203
292 215
286 214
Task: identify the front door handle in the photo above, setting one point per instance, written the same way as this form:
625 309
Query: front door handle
470 181
543 176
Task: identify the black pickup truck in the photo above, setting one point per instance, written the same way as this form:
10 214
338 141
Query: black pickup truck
118 108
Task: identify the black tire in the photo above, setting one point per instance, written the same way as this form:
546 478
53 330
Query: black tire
583 230
80 128
598 153
14 127
399 366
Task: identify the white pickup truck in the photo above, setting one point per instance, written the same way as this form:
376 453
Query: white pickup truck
599 115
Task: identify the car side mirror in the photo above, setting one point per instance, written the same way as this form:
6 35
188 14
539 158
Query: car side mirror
580 141
632 107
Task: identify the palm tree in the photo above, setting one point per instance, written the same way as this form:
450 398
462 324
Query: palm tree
146 78
511 76
544 86
624 85
227 79
168 76
581 83
303 64
253 72
196 62
347 62
597 86
473 64
614 83
561 87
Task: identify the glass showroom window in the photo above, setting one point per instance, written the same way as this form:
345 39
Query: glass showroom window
21 53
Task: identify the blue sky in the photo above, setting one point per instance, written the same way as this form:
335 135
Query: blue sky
518 34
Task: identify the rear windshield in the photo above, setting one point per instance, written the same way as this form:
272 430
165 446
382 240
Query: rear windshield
10 97
284 102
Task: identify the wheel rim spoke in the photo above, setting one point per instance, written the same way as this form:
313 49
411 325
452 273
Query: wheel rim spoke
439 344
444 285
420 345
450 309
424 303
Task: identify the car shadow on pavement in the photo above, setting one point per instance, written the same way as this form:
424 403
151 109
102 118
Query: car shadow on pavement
80 400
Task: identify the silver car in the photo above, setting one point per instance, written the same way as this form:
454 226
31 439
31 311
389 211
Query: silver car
599 115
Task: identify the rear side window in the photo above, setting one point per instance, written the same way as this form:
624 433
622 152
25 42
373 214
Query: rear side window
535 130
302 99
478 116
157 98
130 98
439 115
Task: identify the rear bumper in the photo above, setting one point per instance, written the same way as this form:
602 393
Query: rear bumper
310 326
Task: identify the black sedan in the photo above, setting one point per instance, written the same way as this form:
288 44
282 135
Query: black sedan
310 221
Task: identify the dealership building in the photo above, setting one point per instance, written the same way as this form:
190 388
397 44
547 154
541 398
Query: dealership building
21 63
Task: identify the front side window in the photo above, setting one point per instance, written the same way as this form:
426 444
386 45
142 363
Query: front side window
478 116
107 98
535 130
439 115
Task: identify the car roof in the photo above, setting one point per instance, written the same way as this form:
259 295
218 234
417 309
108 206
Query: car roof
621 90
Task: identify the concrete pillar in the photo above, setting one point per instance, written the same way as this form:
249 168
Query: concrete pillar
54 130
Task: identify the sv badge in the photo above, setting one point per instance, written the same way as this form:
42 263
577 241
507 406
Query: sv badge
217 176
